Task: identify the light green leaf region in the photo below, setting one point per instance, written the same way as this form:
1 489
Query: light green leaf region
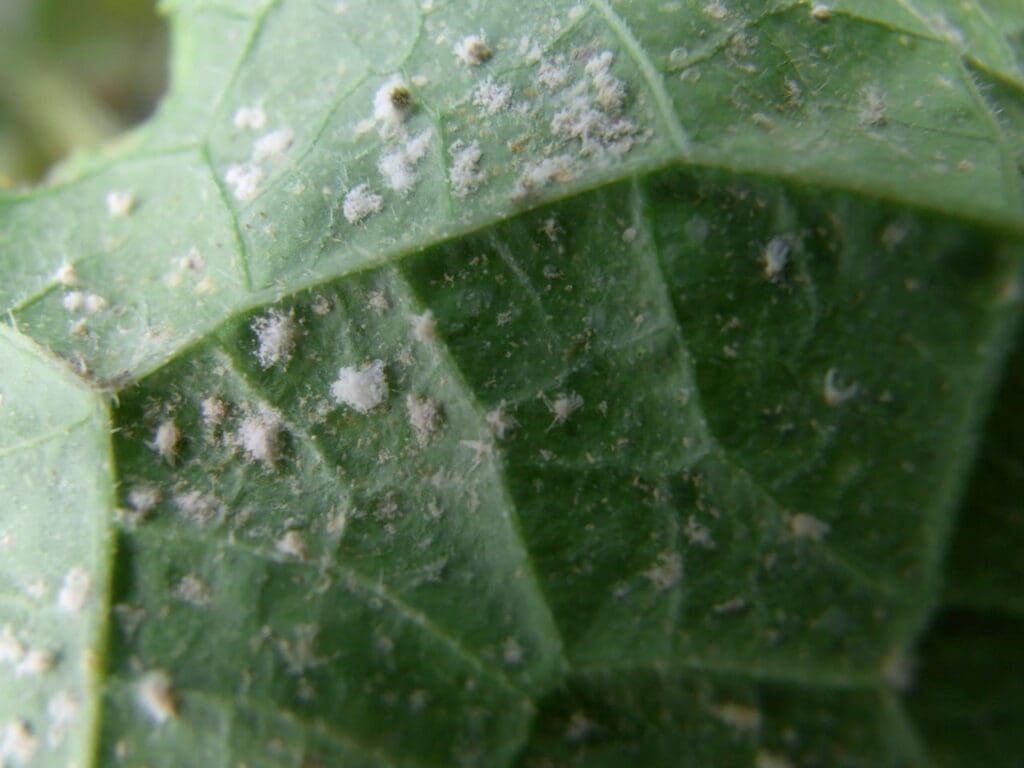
594 391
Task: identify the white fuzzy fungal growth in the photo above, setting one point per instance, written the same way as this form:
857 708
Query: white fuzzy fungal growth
392 102
492 97
213 411
250 118
398 165
154 695
500 422
472 50
806 526
361 390
360 203
18 744
536 176
291 544
593 113
424 417
564 406
65 275
119 204
166 440
464 174
275 337
258 435
667 570
424 327
273 144
244 180
774 257
74 591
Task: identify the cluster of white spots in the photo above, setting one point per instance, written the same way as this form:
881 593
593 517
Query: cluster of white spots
166 440
361 389
554 74
398 165
197 506
424 327
275 338
156 698
593 114
492 97
192 590
250 118
536 176
291 544
833 391
378 302
667 570
74 590
872 106
360 203
564 406
738 716
716 9
512 652
62 710
821 12
425 417
392 103
805 526
472 50
79 301
18 744
24 661
499 421
698 534
774 257
65 275
766 759
244 180
273 144
258 435
214 411
465 175
119 203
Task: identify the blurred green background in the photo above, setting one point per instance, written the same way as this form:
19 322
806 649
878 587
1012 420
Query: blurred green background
73 73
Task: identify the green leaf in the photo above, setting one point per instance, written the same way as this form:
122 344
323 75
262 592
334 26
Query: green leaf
599 390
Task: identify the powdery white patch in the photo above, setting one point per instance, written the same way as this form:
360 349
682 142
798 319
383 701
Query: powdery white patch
250 118
65 275
537 176
425 417
610 91
698 534
360 203
74 590
214 411
19 744
143 498
392 102
424 327
739 716
273 144
716 9
872 106
564 406
154 695
667 570
275 338
593 113
481 450
464 175
398 165
834 393
363 389
119 204
244 180
472 50
378 302
166 440
766 759
553 74
821 12
492 97
259 434
192 590
11 649
774 257
500 422
36 661
197 506
291 544
192 261
94 303
62 710
806 526
73 301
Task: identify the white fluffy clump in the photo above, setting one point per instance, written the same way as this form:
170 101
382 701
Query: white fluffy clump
806 526
275 336
244 180
166 439
392 102
361 389
564 406
774 257
155 697
465 175
536 176
424 416
398 165
273 144
424 327
472 50
251 118
119 204
74 591
360 203
492 97
258 435
593 114
18 743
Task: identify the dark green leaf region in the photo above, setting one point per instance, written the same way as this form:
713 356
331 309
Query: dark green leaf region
558 383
